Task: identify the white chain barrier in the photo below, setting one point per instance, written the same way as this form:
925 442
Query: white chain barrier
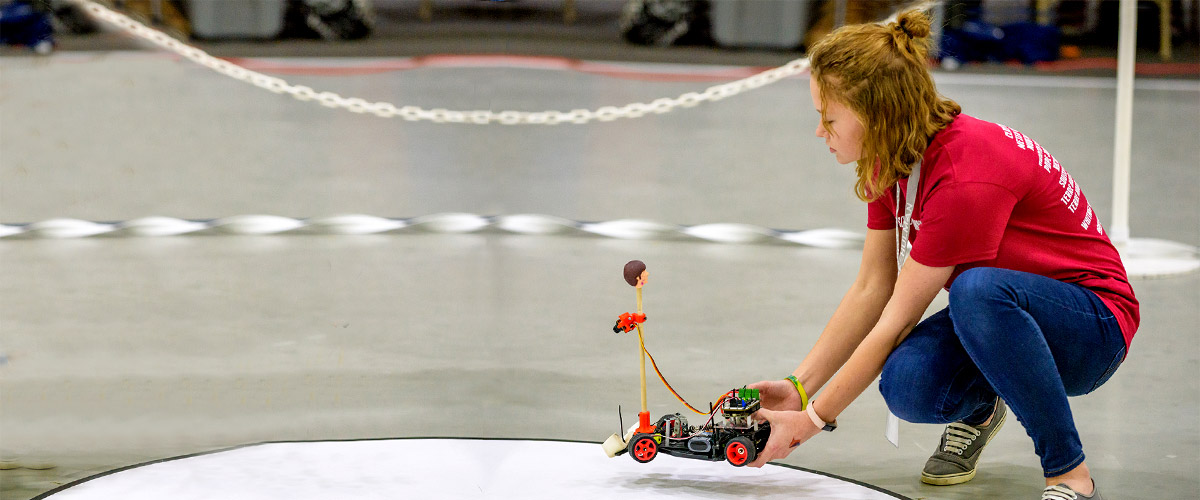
439 115
530 224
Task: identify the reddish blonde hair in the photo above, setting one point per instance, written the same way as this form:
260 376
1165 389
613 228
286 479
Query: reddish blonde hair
879 72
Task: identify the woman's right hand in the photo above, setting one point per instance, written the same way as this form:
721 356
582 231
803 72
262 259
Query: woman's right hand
777 395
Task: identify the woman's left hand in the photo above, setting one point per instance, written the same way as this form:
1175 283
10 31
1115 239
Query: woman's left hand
788 430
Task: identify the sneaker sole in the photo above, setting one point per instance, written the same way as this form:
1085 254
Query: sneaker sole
948 479
962 477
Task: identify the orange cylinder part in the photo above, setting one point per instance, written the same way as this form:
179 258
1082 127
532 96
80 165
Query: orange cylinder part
644 423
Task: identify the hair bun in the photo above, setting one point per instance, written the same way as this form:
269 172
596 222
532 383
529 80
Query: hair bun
913 23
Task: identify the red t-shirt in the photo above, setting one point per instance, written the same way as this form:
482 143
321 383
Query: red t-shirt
991 197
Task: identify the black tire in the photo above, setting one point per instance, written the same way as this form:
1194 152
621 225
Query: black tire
740 451
643 447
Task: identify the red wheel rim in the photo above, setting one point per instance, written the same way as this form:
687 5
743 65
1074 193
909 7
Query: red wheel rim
737 453
645 449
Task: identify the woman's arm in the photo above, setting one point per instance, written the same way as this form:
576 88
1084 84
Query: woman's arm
915 288
858 312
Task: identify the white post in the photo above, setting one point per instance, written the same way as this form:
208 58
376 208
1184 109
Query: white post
1118 231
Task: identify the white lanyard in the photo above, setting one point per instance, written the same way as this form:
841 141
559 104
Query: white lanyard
903 247
904 222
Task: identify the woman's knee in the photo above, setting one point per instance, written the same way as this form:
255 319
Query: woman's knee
915 375
909 391
976 287
979 297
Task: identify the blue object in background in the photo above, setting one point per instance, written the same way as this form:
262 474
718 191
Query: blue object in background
979 41
1031 42
974 41
22 24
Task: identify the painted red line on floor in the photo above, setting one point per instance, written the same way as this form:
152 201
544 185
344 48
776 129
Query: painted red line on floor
1155 69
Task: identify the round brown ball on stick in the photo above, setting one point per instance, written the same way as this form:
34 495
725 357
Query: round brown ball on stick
635 272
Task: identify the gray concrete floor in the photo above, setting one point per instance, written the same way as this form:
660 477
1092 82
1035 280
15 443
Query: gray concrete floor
121 351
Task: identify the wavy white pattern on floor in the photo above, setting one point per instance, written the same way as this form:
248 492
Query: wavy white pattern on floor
1144 258
533 224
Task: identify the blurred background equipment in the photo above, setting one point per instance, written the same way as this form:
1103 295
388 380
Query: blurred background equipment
68 16
28 24
335 19
979 32
218 19
775 24
830 14
666 22
269 19
168 15
1045 30
756 32
570 11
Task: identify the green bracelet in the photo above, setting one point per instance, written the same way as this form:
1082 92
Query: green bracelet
799 389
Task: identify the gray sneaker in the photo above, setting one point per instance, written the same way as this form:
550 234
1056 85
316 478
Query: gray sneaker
1064 492
958 452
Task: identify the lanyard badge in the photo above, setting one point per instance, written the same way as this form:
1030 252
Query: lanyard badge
904 223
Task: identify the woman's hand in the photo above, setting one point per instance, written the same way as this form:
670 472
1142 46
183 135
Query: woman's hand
777 395
788 430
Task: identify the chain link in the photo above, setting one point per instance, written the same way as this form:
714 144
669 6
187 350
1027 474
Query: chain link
413 113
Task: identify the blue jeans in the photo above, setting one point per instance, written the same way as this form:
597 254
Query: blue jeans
1029 339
